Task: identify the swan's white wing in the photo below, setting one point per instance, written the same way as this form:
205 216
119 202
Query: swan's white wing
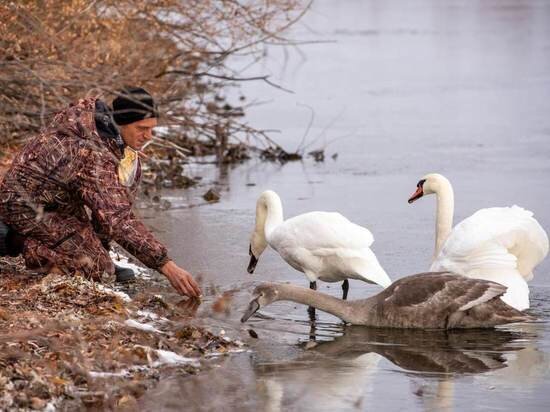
499 237
328 246
321 232
502 244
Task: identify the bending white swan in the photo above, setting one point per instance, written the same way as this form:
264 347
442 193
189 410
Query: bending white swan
322 245
501 244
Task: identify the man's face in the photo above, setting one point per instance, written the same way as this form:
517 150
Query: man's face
138 133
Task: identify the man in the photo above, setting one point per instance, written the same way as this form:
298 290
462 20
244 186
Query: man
70 191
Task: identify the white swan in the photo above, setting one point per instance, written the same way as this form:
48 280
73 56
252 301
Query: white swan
501 244
322 245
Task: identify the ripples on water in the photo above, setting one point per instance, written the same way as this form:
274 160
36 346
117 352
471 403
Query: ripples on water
457 87
293 365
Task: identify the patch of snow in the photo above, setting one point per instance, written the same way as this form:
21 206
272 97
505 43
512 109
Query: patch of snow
147 314
120 374
51 407
123 373
142 326
151 316
166 357
218 354
110 291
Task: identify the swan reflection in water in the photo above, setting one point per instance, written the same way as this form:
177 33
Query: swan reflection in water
341 373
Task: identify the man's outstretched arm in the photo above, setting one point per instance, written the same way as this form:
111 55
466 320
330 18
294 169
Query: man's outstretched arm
101 190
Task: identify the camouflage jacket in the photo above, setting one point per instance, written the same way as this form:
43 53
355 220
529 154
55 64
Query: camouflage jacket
69 166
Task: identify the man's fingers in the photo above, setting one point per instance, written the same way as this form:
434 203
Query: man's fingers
184 286
179 286
190 291
195 286
196 289
184 283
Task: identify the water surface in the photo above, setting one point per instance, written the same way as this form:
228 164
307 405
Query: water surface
398 89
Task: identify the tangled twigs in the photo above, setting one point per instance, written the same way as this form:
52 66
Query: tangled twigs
51 54
69 343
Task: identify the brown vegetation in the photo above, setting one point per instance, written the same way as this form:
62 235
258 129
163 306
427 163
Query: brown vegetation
53 52
57 334
69 343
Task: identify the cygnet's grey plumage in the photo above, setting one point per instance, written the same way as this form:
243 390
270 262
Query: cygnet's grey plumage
427 300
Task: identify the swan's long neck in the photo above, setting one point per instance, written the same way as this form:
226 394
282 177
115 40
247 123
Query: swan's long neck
271 210
445 211
345 310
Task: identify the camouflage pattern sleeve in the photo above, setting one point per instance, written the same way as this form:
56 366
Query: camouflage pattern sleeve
98 186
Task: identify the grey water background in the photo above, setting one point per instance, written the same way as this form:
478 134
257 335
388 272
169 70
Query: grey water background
398 89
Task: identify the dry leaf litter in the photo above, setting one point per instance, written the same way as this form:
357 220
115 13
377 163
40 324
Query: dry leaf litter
69 343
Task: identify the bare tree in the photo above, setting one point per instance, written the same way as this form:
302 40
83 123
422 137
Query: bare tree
54 51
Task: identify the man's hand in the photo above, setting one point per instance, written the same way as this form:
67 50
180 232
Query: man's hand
181 280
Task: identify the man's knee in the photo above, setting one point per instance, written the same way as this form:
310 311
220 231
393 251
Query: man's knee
82 253
94 267
89 256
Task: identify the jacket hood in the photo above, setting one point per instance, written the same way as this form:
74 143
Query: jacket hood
79 120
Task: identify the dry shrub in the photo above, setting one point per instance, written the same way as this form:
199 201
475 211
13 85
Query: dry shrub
55 51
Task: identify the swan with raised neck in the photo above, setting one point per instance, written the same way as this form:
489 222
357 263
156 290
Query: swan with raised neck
500 244
434 183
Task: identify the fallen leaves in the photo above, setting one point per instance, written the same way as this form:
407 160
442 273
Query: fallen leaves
65 342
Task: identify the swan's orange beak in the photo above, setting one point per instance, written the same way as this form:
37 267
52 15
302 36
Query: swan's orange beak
417 194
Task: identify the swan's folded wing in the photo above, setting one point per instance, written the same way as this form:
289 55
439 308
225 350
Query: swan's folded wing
323 232
501 238
441 293
330 246
488 257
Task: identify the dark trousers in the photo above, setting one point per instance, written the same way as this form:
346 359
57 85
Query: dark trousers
67 242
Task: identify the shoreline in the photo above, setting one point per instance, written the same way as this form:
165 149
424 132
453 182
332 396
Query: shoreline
71 343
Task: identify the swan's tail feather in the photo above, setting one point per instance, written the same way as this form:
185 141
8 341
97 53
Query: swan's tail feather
371 271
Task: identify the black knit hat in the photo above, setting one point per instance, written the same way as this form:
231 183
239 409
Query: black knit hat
133 104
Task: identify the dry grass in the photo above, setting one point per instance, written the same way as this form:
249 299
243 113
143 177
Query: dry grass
53 52
58 333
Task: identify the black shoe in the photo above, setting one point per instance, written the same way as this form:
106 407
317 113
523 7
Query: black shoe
11 243
3 239
124 275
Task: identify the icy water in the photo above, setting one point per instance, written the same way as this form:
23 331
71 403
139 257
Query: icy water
398 89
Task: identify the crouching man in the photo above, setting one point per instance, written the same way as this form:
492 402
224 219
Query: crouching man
70 190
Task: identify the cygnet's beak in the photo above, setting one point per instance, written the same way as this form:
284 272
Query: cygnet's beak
253 307
253 261
419 192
